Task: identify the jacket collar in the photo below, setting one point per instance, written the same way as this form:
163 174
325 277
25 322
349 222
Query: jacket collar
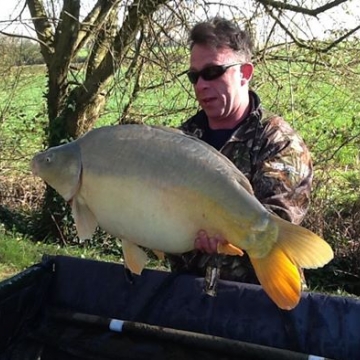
243 130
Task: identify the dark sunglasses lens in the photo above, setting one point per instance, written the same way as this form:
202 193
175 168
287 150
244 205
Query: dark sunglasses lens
212 72
209 73
193 76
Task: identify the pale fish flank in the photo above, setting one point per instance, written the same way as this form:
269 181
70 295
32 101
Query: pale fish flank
157 187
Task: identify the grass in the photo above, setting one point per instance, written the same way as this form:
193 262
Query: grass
322 106
18 252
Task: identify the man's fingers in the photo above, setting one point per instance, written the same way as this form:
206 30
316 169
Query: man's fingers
204 244
208 244
212 245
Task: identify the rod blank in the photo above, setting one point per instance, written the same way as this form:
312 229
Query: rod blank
187 338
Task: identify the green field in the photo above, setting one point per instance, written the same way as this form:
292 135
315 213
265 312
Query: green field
18 253
322 105
324 109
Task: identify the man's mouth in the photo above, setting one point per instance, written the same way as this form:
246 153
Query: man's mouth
208 100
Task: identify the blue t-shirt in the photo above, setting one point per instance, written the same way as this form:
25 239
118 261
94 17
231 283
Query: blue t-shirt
217 138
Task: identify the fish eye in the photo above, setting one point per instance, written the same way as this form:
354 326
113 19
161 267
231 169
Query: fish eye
48 159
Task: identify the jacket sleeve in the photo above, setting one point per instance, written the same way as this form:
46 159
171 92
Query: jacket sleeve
282 174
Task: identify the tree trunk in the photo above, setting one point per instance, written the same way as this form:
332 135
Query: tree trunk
73 110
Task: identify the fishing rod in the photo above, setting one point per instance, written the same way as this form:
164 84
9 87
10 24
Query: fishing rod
187 338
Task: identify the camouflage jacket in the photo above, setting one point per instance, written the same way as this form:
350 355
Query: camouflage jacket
278 165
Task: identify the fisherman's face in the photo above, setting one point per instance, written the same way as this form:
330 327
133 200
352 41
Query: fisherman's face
221 98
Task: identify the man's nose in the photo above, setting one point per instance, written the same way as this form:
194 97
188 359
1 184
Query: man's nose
201 83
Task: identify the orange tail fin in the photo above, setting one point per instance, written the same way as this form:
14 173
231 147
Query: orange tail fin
279 277
296 247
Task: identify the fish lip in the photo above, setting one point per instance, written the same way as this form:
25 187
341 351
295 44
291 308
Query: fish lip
34 168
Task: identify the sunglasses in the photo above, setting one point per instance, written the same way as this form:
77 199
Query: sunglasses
209 73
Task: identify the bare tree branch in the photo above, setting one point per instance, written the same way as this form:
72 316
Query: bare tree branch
266 45
24 37
333 151
103 42
304 44
67 30
43 28
16 18
299 9
297 41
341 38
94 20
136 15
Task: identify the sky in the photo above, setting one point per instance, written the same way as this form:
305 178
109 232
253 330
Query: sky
344 16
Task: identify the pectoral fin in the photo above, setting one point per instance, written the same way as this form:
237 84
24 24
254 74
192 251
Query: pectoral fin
85 220
229 249
135 258
159 254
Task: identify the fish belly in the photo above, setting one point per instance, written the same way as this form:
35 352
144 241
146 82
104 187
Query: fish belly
156 215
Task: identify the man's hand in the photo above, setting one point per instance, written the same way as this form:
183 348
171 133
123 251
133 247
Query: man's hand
208 244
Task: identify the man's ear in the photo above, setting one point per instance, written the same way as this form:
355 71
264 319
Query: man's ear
247 71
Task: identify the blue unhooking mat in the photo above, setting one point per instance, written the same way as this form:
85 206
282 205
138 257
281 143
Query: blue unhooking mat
321 325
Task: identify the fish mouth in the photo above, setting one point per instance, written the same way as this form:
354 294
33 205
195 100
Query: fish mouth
34 167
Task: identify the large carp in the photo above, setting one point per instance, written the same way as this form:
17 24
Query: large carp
157 187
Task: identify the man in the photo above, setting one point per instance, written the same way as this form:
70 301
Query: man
263 146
